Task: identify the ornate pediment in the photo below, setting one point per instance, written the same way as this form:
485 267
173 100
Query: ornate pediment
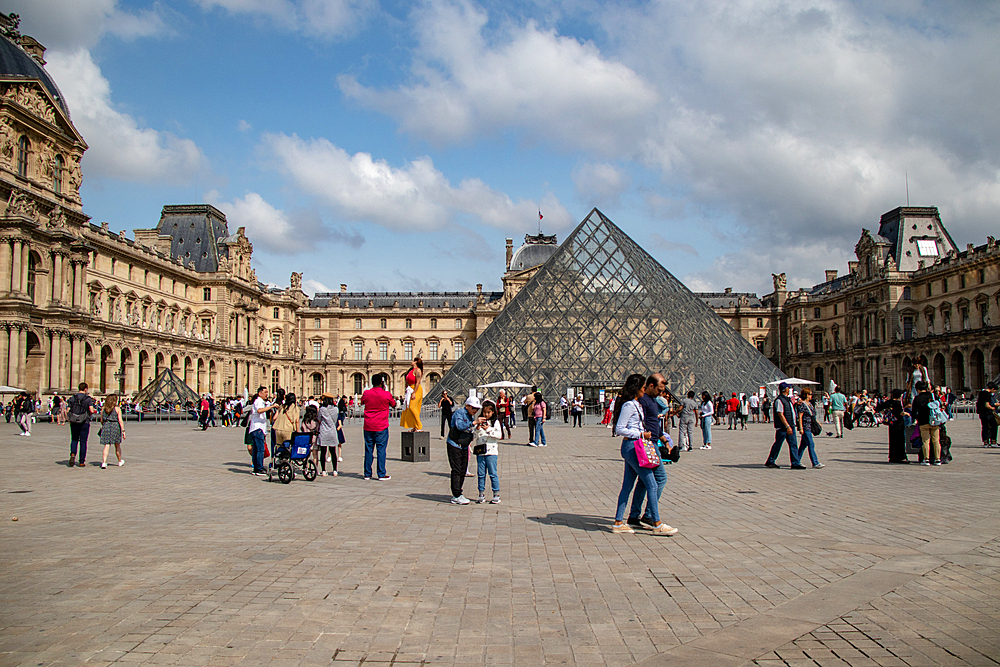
21 204
31 97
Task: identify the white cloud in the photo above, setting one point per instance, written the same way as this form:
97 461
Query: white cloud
311 287
243 126
321 18
550 86
267 225
68 25
416 197
119 148
600 184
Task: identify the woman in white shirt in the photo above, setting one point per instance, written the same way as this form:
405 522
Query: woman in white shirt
706 412
628 423
487 437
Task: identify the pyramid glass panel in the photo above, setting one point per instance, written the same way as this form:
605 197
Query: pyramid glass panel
599 309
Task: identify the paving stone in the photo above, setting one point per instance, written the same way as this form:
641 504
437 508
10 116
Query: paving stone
182 557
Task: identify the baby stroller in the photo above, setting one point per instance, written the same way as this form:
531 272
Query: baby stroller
291 456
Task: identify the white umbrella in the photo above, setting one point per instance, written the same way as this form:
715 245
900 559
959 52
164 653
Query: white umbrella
10 390
503 384
792 381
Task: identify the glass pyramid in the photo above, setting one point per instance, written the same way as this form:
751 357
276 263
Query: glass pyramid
599 309
167 387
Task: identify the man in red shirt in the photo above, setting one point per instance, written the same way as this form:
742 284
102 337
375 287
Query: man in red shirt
377 402
733 411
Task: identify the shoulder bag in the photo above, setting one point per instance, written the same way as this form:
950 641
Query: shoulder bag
647 454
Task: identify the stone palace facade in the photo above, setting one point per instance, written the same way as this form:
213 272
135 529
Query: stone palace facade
79 302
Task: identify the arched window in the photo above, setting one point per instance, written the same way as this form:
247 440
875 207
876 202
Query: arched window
275 381
433 379
23 148
359 383
317 384
458 324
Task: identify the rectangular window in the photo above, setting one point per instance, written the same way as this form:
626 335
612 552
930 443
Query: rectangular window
927 247
760 346
358 350
459 348
317 323
317 349
206 294
357 323
383 350
944 286
907 328
433 347
818 342
275 343
277 313
930 290
816 313
961 281
408 351
458 324
982 276
906 293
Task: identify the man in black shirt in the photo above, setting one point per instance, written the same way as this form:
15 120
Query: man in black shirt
784 429
81 407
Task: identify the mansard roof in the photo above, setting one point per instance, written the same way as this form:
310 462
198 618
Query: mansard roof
198 233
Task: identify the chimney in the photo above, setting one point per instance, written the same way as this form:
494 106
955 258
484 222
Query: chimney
510 252
343 288
728 290
831 274
852 267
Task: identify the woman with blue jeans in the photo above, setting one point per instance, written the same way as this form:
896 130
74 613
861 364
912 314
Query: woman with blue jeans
707 412
806 417
628 424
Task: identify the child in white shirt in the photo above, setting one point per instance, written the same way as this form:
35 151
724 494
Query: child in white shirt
487 436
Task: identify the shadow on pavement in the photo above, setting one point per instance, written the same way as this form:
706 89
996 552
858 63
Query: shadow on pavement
578 521
437 474
430 497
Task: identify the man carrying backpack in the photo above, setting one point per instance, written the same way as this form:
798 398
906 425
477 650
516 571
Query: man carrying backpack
81 407
929 416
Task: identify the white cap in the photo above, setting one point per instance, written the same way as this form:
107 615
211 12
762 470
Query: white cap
474 402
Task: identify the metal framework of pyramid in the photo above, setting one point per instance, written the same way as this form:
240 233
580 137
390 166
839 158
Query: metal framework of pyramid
599 309
166 387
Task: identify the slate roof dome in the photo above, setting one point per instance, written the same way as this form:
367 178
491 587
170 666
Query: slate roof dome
16 63
535 252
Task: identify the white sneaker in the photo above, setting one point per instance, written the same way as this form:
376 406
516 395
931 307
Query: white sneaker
339 459
121 463
482 499
335 473
705 447
460 500
323 474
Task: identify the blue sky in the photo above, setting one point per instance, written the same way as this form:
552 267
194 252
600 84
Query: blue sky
394 145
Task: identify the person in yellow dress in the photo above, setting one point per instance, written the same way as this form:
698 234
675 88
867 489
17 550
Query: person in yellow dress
411 416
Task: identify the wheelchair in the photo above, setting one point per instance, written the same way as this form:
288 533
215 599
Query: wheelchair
293 456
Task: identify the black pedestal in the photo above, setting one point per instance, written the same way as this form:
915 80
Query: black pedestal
416 445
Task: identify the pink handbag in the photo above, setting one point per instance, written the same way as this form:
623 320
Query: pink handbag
647 454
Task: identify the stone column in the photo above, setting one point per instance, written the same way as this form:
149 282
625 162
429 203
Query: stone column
25 254
57 278
5 265
15 268
4 350
77 284
13 357
55 357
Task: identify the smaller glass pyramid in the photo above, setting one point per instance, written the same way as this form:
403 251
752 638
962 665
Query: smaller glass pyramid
599 309
166 387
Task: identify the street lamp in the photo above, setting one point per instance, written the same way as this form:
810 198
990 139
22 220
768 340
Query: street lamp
120 377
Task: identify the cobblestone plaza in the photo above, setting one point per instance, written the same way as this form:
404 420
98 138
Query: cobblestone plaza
182 557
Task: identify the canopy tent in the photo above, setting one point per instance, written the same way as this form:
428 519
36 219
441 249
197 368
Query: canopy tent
166 387
504 384
792 381
4 389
